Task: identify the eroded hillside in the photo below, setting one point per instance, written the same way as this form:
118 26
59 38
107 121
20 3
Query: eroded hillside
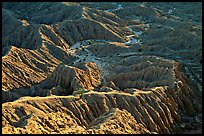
101 68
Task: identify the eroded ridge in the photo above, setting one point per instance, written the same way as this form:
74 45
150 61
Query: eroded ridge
157 111
104 68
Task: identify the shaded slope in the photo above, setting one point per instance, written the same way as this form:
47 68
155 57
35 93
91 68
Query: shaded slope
24 67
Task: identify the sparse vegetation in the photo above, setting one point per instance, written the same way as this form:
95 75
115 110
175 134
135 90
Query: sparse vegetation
126 64
80 91
90 42
139 49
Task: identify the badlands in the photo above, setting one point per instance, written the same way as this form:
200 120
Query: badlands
101 68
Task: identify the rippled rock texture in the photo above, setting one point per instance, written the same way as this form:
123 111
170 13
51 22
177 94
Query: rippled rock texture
101 68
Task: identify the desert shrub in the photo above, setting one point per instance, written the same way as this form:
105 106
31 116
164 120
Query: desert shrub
140 50
80 91
90 42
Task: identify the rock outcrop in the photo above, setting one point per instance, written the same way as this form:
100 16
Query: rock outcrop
69 79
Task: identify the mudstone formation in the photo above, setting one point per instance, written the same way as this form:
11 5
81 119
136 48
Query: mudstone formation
137 63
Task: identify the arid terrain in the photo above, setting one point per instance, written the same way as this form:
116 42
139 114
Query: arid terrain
101 68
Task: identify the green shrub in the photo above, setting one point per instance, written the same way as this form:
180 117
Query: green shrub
80 91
